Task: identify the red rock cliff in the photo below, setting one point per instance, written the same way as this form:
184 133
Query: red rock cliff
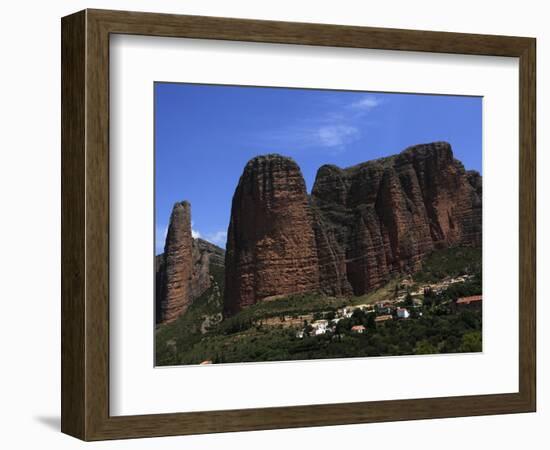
183 270
271 248
383 216
178 257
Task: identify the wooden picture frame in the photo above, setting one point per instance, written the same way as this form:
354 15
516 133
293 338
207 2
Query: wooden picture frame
85 224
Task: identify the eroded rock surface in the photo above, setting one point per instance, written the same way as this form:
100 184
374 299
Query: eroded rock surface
385 215
271 249
183 271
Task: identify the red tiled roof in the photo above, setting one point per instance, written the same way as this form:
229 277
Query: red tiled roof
383 318
468 300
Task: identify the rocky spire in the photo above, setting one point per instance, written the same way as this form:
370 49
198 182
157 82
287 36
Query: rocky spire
271 245
178 262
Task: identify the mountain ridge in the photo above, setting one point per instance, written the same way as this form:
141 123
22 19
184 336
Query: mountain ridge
370 221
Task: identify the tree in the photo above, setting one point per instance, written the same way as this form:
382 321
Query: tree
424 348
471 342
370 321
343 325
409 300
307 330
358 317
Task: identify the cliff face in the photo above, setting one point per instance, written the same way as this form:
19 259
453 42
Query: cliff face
271 248
204 255
178 254
386 214
360 226
183 270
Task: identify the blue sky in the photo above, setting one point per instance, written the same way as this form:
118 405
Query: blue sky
205 134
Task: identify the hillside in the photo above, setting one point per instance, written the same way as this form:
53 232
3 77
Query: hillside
270 331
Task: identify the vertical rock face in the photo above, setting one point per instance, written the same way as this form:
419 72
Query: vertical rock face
203 255
473 221
361 225
332 221
183 271
271 247
178 263
383 216
159 286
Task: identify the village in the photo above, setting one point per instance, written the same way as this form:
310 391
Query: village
403 305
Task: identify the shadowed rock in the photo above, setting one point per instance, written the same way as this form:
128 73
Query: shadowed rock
183 270
383 216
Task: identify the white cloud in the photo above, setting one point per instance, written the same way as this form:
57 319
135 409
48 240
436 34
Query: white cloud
194 233
218 238
338 135
339 123
366 103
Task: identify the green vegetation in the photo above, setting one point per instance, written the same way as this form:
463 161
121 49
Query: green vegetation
293 305
450 262
426 335
267 331
436 302
175 339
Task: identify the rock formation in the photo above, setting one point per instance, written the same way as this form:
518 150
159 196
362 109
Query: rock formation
271 247
178 256
159 286
183 270
383 216
204 255
360 226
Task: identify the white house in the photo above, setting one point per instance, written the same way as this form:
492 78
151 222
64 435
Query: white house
403 313
347 312
320 327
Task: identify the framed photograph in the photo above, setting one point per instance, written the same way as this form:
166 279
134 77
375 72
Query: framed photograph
273 225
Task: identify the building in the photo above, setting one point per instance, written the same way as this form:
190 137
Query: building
384 308
403 313
383 318
365 307
471 302
347 312
320 327
358 329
